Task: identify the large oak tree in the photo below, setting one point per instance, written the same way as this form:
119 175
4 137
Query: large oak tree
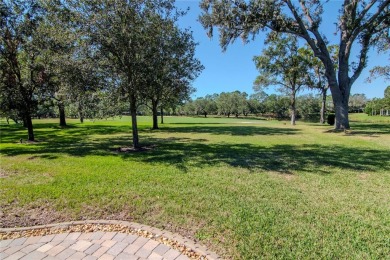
361 25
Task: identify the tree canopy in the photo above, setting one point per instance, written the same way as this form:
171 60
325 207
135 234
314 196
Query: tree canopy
282 64
94 56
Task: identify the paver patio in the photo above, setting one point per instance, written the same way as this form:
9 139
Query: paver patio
89 245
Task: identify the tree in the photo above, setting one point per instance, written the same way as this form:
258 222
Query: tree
256 103
224 104
357 102
387 92
374 106
24 73
188 108
308 106
206 105
123 32
283 65
173 69
379 105
239 103
361 24
277 105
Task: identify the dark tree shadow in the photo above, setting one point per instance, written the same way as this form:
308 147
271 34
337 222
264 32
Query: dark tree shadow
53 132
369 129
232 130
188 152
280 158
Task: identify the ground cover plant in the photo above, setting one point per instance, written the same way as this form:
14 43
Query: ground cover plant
248 188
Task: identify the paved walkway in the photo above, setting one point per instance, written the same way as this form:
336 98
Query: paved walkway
93 245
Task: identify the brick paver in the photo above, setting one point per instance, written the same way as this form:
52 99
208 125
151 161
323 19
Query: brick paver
56 250
171 254
81 245
18 241
46 239
34 255
72 236
89 246
117 248
15 256
32 240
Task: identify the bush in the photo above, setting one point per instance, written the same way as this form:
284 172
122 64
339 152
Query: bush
331 119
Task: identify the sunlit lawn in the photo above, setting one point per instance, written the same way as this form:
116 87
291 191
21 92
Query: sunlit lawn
248 188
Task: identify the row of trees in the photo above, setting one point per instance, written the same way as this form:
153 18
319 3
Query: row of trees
86 54
277 106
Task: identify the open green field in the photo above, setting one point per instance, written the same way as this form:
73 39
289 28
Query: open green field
249 189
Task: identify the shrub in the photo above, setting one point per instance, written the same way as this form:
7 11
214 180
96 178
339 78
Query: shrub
331 119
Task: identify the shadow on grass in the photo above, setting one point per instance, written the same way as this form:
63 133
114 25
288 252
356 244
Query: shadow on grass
232 130
284 159
369 129
102 140
53 132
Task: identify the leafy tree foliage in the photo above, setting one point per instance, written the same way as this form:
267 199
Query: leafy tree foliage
380 71
147 56
283 65
206 105
361 24
277 106
173 69
24 72
235 103
379 106
308 107
357 102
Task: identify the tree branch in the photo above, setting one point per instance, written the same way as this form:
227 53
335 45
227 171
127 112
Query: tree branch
305 34
370 22
306 11
362 58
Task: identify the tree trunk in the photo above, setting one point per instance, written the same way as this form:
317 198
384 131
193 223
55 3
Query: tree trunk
154 110
81 117
25 122
133 112
323 106
341 89
162 115
30 129
293 108
80 112
340 101
205 114
342 120
61 109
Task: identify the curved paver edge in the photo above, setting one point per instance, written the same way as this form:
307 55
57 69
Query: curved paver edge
196 247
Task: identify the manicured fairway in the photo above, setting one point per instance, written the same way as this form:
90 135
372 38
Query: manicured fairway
248 188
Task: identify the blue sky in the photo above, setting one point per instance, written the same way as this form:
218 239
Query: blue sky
235 70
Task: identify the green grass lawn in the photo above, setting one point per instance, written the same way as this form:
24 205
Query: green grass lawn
248 188
362 117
